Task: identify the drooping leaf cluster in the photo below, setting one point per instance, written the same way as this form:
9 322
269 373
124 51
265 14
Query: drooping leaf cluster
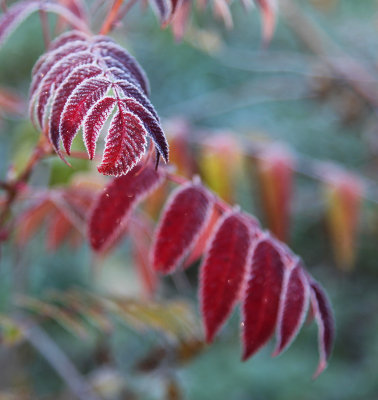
240 262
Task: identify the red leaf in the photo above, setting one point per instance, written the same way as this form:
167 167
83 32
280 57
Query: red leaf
293 308
203 239
76 77
67 37
59 228
262 296
94 122
113 207
81 74
107 47
151 125
32 218
47 61
183 218
55 78
78 105
125 143
326 324
223 270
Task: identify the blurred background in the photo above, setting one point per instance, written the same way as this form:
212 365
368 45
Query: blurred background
289 132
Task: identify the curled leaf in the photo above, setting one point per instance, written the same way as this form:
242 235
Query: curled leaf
326 324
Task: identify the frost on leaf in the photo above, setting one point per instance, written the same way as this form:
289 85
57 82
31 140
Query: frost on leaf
114 205
183 219
83 81
326 325
294 304
223 270
262 296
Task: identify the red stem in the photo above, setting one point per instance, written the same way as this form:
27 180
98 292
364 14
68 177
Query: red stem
42 149
111 18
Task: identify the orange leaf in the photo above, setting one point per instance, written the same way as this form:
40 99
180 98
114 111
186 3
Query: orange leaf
275 171
343 193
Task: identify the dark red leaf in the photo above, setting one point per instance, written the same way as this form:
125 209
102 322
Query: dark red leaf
182 221
76 77
151 125
326 324
223 270
55 78
293 308
262 296
107 47
78 105
95 121
46 62
68 37
125 143
113 207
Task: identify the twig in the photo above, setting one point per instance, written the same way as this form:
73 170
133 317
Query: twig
13 187
111 18
58 360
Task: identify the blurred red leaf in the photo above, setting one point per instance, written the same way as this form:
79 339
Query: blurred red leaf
141 237
114 205
59 228
10 102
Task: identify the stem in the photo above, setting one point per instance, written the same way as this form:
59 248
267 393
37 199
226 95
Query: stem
42 149
111 18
